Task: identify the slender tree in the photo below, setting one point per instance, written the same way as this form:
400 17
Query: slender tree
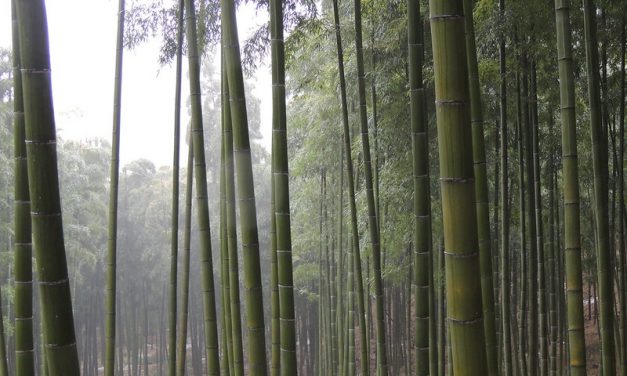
174 227
113 201
43 181
236 323
373 221
481 191
281 193
24 347
224 236
183 316
355 251
621 192
600 167
210 327
463 282
422 218
504 206
572 238
245 193
275 330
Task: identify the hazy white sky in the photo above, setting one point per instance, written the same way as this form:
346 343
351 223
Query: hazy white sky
82 48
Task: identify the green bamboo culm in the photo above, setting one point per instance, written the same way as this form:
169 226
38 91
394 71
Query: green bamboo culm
185 263
621 193
4 367
24 346
281 194
245 193
373 221
600 168
227 333
572 237
231 228
505 210
275 330
340 311
358 284
422 218
174 227
541 291
481 192
200 175
463 282
224 230
110 288
54 287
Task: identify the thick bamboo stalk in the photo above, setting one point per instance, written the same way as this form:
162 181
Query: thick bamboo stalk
24 346
481 192
600 168
54 287
275 329
463 280
231 229
422 218
245 194
281 193
224 233
113 202
572 237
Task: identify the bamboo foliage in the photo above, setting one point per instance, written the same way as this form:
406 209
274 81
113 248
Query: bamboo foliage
43 181
24 359
463 284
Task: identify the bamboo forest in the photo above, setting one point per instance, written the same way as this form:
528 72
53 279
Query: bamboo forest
330 188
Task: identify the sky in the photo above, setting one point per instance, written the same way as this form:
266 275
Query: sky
82 51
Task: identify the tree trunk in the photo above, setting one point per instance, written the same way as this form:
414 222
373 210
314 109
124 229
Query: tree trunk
457 187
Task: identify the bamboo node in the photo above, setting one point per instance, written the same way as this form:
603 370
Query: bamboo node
36 70
445 17
467 321
450 102
461 255
54 346
42 142
40 214
54 283
457 180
